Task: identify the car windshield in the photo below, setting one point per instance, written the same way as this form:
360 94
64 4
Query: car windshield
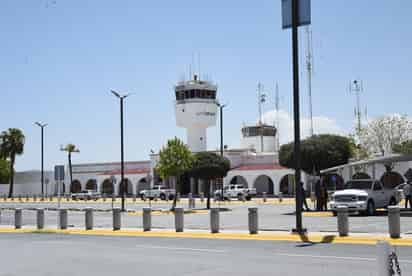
361 185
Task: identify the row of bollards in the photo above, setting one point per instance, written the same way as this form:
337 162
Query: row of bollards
147 219
394 221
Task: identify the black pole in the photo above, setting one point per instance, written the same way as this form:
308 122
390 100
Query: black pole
122 184
295 47
221 140
42 160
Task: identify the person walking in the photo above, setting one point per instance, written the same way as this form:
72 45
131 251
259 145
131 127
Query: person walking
407 190
318 196
324 195
305 203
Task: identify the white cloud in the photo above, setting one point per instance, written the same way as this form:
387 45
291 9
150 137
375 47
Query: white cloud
321 124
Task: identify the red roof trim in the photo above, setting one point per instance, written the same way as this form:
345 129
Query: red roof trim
132 171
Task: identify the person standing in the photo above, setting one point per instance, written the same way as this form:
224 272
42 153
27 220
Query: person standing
408 194
324 192
318 196
305 203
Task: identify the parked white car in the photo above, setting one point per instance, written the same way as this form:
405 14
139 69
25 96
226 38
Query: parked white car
86 195
158 192
236 191
364 196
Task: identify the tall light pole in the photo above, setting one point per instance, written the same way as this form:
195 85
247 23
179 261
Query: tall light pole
121 98
42 126
221 106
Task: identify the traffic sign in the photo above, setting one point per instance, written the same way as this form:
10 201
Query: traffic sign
59 173
304 13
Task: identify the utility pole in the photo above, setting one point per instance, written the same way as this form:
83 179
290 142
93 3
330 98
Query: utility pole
42 126
221 106
356 87
123 185
296 115
261 100
309 68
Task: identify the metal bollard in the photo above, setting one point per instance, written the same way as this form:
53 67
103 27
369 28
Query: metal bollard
343 221
63 219
214 220
18 218
383 251
89 219
116 219
253 220
40 219
147 219
394 221
179 219
264 197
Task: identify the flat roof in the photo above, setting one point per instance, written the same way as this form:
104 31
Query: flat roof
393 158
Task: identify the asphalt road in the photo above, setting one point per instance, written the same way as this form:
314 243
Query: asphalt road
50 254
271 217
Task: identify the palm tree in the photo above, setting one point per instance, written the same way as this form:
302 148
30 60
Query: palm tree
69 148
12 144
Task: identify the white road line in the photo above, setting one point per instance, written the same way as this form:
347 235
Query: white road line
337 257
183 249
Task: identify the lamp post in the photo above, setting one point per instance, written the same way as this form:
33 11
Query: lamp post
42 126
121 98
221 106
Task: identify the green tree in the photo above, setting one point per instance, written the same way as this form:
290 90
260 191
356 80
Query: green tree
70 148
403 148
12 144
318 152
4 171
208 166
174 160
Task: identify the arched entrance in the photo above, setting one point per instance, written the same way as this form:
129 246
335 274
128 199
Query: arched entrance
91 184
142 185
361 175
238 179
263 184
287 185
126 186
107 187
76 186
392 179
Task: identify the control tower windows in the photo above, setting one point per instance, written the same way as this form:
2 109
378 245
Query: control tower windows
195 94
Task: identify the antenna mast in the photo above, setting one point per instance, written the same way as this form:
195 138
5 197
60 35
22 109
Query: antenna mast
261 100
356 87
277 117
309 71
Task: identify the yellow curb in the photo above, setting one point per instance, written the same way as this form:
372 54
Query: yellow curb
311 238
166 213
317 214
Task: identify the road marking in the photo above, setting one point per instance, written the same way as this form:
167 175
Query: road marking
183 249
337 257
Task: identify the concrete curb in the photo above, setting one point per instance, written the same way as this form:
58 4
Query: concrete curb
309 238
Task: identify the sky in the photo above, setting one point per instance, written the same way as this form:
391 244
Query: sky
59 60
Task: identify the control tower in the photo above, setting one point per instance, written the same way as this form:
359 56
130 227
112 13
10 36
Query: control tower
260 137
196 109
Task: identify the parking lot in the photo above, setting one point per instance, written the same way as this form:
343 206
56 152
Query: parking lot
273 216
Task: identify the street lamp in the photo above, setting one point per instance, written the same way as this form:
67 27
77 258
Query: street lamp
121 98
42 126
221 106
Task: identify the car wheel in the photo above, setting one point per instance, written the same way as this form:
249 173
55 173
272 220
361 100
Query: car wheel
240 197
248 198
370 210
334 213
163 197
142 197
392 202
171 197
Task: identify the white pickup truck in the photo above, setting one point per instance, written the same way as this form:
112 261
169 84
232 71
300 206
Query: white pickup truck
364 196
236 191
158 192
